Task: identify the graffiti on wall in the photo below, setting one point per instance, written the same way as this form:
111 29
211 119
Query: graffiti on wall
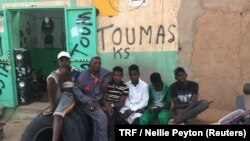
84 24
3 74
81 39
132 38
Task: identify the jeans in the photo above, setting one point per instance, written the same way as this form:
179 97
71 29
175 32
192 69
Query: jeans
201 106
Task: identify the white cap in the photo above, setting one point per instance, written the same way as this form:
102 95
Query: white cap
63 54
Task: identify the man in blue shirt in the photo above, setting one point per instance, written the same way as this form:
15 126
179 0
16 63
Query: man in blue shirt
88 90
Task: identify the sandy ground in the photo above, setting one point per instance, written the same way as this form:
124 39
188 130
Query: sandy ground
17 119
13 129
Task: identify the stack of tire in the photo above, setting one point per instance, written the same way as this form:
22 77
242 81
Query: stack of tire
77 126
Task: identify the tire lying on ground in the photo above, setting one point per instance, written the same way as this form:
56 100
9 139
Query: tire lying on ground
41 128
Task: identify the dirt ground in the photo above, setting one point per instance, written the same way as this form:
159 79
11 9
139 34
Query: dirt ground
17 119
13 129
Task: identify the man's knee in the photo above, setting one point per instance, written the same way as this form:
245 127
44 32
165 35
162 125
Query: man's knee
144 120
58 119
203 105
164 118
101 117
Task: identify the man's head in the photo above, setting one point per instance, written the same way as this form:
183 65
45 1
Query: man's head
134 73
156 81
180 74
95 64
117 74
63 58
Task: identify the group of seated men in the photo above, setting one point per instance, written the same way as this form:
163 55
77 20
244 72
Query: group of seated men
109 101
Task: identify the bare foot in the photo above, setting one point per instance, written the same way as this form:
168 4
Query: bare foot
47 111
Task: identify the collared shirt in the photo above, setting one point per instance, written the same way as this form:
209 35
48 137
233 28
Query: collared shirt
86 90
137 99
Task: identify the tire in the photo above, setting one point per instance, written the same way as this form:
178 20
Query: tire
86 120
41 129
79 124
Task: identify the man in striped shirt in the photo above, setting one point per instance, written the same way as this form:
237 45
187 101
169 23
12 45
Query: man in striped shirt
114 97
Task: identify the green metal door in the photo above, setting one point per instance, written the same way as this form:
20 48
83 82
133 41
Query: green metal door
81 35
9 24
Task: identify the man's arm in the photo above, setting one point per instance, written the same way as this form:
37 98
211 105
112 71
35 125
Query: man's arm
122 98
52 88
167 99
178 105
121 102
144 100
105 95
189 106
192 104
173 94
150 98
78 91
107 107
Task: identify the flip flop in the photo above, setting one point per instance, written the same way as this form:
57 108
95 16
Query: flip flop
47 111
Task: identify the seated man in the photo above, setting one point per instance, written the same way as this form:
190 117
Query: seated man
159 102
60 103
114 97
185 98
137 98
88 89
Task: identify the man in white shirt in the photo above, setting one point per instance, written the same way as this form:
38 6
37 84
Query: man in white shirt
137 99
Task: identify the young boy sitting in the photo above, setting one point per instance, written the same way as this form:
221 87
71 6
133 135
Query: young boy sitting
114 97
159 102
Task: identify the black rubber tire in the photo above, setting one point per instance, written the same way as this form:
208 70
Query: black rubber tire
40 129
86 120
79 121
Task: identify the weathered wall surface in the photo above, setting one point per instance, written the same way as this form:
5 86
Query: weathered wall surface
145 36
214 49
216 58
187 15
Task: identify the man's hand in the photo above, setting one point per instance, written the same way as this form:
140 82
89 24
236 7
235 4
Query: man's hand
127 113
93 106
177 118
108 108
154 108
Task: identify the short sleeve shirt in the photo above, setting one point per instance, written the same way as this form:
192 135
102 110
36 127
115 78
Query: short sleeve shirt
116 91
184 93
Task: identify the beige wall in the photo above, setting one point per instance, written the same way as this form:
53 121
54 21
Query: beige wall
214 49
163 27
